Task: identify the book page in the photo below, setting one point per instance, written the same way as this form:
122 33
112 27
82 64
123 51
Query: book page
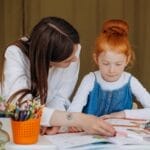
129 131
68 140
126 122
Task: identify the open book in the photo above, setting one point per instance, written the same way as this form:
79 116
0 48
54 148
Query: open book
130 131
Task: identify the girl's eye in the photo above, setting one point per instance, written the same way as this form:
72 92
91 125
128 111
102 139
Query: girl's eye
118 64
106 64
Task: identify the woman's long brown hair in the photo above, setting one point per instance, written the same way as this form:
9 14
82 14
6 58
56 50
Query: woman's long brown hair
52 39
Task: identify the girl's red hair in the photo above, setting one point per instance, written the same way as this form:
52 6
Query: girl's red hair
114 37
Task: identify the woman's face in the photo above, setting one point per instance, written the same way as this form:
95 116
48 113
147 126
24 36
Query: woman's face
65 63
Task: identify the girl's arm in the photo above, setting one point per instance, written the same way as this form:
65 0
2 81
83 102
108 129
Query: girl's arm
143 96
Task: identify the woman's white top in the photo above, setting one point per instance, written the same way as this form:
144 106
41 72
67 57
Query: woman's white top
140 93
61 81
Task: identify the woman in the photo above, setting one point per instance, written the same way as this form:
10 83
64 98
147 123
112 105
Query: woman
47 63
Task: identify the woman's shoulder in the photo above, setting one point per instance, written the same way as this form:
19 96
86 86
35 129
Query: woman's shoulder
14 54
12 49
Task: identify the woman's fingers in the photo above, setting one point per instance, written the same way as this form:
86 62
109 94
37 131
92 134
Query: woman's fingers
118 115
52 130
105 117
43 130
105 128
49 130
95 125
72 129
75 129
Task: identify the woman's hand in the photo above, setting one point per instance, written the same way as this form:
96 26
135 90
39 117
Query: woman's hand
118 115
89 123
96 125
49 130
75 129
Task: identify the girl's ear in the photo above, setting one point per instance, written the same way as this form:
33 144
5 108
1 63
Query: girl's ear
95 58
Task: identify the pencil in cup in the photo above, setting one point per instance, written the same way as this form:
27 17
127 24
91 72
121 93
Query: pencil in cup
26 132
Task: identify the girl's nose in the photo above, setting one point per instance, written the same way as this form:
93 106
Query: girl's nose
111 69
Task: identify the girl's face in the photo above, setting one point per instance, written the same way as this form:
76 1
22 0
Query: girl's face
111 65
65 63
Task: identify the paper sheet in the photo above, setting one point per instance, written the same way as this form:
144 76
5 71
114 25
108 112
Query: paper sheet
126 122
128 132
68 140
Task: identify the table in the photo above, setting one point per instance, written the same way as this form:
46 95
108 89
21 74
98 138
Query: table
45 144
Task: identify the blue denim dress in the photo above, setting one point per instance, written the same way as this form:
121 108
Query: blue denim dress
101 102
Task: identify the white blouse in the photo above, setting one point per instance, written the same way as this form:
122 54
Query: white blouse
61 81
87 84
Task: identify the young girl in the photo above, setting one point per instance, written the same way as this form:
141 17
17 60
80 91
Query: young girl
47 63
112 89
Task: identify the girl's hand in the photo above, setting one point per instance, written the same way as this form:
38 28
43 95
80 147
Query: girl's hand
119 115
49 130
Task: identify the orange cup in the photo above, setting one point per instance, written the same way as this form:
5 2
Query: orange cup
25 132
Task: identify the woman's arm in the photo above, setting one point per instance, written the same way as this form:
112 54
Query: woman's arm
16 71
88 123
